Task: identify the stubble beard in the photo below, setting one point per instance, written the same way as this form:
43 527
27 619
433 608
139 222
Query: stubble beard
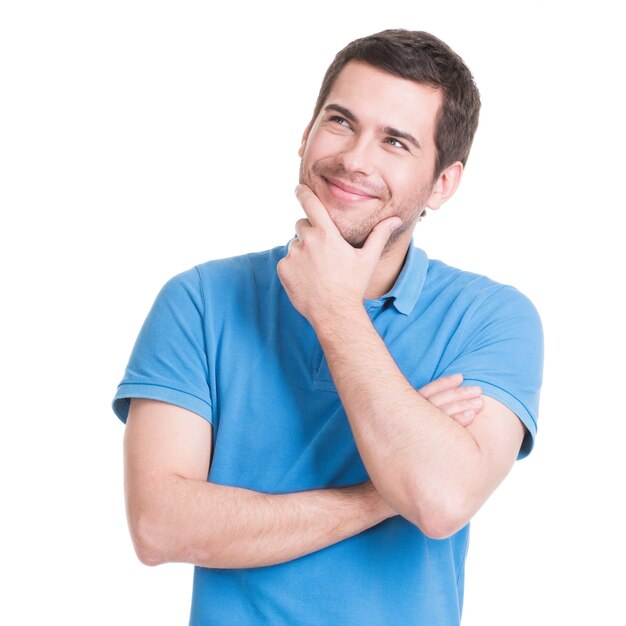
356 234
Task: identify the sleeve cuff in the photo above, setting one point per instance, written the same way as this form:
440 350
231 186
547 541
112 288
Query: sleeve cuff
516 406
126 391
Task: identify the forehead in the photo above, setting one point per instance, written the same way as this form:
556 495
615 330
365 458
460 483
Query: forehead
377 97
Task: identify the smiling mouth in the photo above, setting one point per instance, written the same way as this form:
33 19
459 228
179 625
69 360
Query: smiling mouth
345 192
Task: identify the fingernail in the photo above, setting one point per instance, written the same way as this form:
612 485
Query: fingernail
476 402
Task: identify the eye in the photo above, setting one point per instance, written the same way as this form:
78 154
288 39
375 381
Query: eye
340 120
395 142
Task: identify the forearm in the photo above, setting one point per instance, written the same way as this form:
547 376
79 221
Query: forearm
423 463
219 526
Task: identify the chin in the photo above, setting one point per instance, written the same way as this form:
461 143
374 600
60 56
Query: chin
355 239
356 244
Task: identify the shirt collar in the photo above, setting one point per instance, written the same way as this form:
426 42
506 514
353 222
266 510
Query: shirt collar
408 286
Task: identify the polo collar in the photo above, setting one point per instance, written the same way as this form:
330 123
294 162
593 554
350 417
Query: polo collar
408 286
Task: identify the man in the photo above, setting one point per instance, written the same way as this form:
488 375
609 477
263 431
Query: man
318 385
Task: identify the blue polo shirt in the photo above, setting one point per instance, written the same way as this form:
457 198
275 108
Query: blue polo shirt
223 340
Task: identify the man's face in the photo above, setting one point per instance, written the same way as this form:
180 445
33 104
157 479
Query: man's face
370 153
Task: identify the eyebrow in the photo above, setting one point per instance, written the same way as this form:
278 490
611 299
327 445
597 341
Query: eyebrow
387 130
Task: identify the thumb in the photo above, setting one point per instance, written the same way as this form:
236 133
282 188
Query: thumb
375 243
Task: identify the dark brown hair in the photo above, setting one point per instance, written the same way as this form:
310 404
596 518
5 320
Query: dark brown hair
421 57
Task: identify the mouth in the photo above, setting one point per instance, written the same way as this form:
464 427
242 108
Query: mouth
346 193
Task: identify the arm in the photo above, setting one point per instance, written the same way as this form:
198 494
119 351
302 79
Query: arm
426 466
175 515
429 468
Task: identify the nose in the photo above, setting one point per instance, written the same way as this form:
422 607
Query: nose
356 156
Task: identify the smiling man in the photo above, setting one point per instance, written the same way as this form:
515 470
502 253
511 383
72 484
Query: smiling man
361 167
314 426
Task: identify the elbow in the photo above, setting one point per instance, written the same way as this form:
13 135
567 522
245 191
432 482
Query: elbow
439 528
147 540
440 518
148 556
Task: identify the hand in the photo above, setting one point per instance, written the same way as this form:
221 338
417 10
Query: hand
462 404
321 269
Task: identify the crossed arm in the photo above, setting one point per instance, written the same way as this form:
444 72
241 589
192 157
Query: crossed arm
175 515
430 469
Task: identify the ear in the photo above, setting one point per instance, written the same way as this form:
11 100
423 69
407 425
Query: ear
305 136
445 186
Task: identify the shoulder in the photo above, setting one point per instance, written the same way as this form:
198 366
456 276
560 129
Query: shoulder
221 285
483 319
478 296
258 265
227 273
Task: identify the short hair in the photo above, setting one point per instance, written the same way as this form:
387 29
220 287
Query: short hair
422 57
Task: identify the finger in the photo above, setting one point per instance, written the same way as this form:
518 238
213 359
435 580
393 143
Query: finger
302 227
375 243
313 208
455 394
441 384
292 242
452 408
465 418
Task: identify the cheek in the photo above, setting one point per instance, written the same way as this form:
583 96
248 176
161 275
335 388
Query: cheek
324 146
400 181
405 185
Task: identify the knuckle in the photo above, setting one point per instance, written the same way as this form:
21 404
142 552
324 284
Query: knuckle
283 267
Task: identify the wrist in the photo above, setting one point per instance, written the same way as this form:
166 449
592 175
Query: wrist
374 504
338 319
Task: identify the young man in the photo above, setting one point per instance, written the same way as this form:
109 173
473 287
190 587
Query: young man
298 428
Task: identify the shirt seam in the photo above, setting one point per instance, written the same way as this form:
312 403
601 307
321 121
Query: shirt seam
466 321
186 393
203 297
462 564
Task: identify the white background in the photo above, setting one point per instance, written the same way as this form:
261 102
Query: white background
140 138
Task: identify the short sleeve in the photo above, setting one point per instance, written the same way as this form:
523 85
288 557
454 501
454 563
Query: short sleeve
169 362
502 352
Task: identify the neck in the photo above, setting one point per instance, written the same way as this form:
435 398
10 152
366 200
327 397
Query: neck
388 268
